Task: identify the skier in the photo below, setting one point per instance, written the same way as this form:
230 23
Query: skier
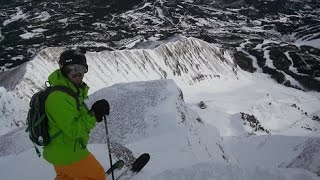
68 152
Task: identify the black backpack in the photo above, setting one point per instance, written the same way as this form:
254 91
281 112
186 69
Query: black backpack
37 119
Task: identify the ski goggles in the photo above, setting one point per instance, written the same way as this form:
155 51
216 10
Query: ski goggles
75 69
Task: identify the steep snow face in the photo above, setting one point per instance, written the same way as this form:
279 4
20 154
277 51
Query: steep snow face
160 117
187 62
147 117
309 158
14 142
212 171
13 111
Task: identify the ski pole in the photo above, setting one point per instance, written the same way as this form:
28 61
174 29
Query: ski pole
108 143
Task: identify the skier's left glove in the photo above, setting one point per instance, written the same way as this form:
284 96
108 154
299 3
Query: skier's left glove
100 108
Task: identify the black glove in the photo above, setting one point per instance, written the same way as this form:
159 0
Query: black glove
100 108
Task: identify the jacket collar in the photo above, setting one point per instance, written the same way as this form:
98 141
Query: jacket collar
58 79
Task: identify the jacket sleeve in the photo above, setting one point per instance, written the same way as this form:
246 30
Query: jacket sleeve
62 109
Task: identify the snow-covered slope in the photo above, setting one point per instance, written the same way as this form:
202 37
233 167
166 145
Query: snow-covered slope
13 111
147 117
153 117
214 171
289 115
309 157
145 112
182 139
188 61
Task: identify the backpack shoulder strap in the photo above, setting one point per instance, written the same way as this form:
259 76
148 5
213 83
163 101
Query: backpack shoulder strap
66 90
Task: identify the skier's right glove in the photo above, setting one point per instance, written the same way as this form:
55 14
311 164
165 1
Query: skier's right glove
100 108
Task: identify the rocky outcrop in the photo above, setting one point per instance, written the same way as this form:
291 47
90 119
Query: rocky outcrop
253 122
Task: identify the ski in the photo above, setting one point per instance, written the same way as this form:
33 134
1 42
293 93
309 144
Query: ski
135 167
116 166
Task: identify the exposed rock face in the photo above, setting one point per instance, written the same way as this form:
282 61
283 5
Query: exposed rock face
253 122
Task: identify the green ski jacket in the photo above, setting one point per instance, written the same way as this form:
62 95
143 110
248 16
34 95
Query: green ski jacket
75 123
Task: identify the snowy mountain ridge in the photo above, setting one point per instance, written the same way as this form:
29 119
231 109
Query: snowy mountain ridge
187 61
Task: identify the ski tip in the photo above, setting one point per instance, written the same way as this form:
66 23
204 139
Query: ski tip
145 156
140 162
